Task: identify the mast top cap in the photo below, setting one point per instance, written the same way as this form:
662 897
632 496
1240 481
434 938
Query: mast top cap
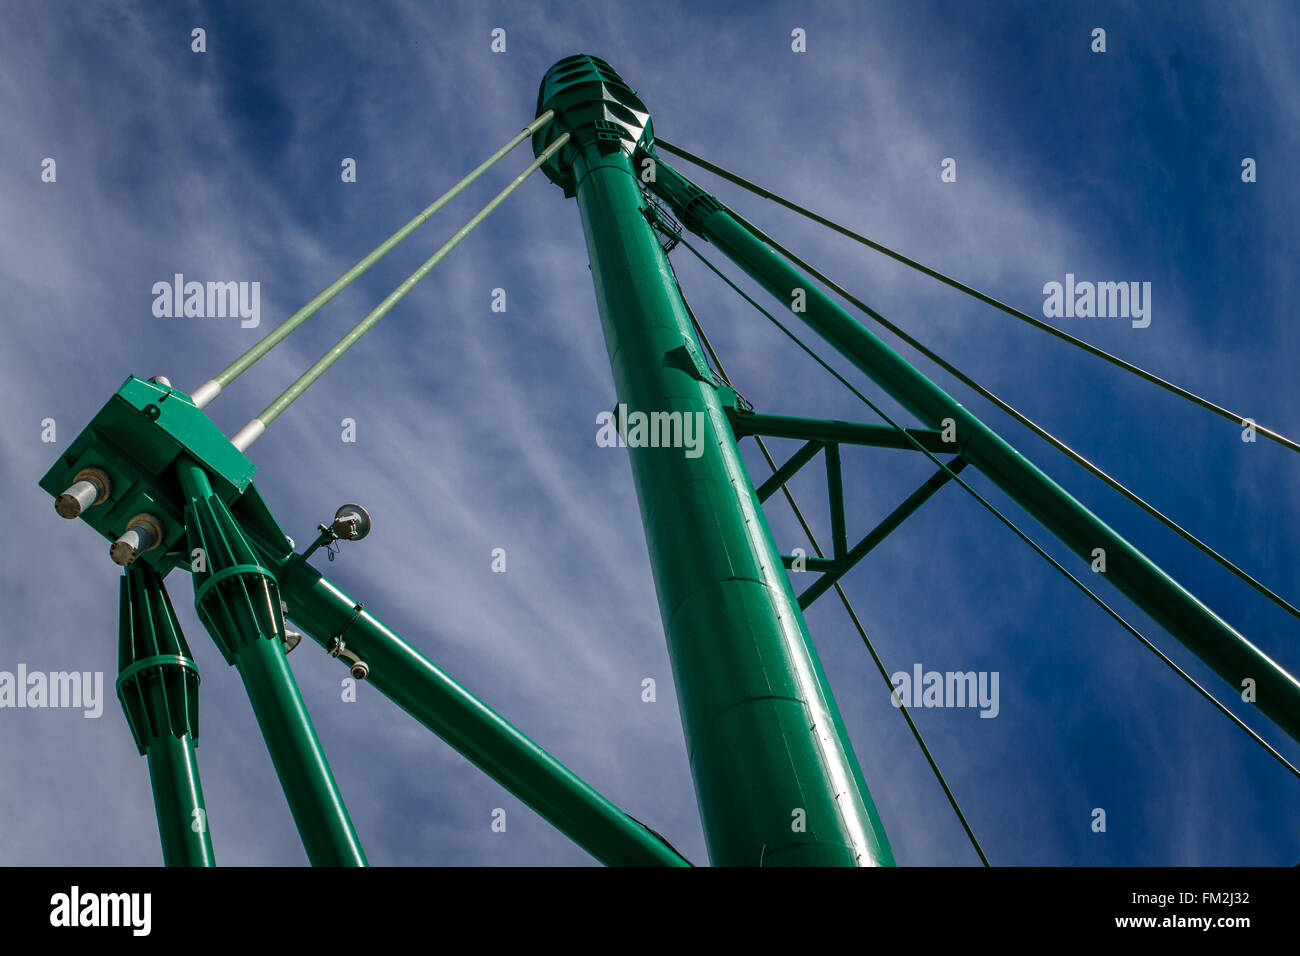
596 107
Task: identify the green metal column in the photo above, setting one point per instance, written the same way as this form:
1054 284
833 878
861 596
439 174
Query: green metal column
238 601
158 687
775 775
1202 631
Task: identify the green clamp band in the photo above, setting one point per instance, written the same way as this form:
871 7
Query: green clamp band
201 591
158 660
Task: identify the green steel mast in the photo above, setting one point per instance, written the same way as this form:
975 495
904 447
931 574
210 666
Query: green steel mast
775 774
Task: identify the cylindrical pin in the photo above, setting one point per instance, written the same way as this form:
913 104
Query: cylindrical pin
143 533
90 487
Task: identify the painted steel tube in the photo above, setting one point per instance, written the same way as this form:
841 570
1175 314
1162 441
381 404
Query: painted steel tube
305 775
847 433
251 642
415 684
775 775
1171 605
178 795
157 686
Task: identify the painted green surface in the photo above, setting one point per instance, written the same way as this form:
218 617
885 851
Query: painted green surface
788 470
222 515
1179 612
842 565
775 775
137 438
845 433
158 687
238 600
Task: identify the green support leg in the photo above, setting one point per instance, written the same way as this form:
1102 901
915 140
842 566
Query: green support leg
238 600
158 687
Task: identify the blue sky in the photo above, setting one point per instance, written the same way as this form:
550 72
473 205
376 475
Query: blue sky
1122 166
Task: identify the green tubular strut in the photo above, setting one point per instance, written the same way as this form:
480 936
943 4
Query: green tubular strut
158 687
415 684
1179 612
842 565
775 775
238 601
787 471
847 433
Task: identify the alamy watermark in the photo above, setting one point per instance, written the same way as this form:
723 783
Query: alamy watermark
129 910
83 690
1102 300
208 300
922 688
624 429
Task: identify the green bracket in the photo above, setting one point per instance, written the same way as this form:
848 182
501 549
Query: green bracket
829 434
745 423
137 438
733 402
803 563
843 558
789 469
688 358
835 493
846 560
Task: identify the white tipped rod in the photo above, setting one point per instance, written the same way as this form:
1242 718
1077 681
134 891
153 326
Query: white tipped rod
248 434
